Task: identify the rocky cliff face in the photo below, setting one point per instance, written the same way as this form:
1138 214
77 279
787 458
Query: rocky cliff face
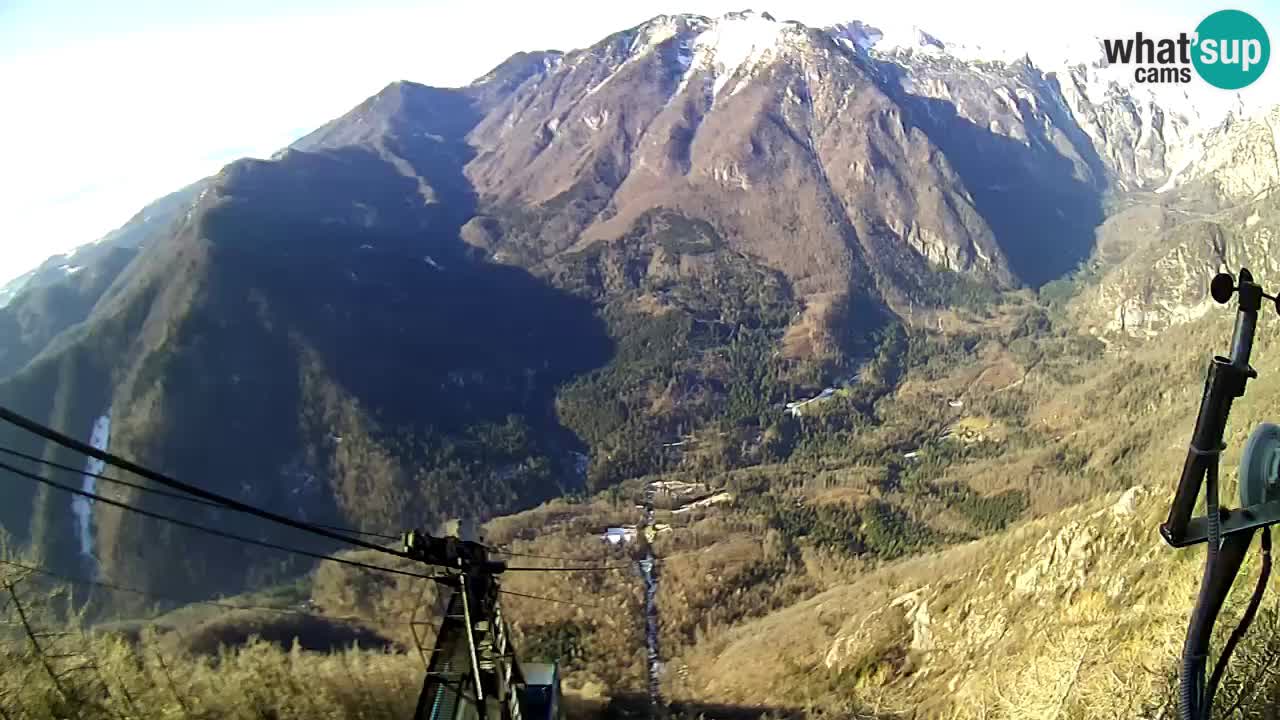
1240 157
1156 255
1142 136
1034 628
853 162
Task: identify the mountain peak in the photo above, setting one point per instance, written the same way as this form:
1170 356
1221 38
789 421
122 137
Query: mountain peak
402 108
518 68
748 15
915 40
724 45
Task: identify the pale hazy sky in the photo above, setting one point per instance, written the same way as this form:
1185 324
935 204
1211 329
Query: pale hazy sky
108 105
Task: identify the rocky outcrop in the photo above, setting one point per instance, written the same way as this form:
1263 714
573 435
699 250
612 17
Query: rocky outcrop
1157 255
1240 157
1046 621
1058 565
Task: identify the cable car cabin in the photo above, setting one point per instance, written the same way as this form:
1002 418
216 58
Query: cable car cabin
539 698
536 698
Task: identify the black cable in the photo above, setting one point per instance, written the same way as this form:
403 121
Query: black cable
173 495
511 553
73 444
231 606
161 596
1245 621
52 435
547 599
353 531
211 531
602 568
500 551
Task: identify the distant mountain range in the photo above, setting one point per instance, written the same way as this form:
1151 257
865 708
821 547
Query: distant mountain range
436 304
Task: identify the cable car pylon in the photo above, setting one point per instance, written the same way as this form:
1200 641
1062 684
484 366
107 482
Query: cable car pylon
473 672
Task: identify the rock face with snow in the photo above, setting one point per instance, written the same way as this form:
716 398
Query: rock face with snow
12 288
769 131
835 155
809 148
845 157
1135 136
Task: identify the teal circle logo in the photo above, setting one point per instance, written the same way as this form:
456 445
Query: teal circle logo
1231 49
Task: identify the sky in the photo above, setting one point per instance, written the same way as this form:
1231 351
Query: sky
109 105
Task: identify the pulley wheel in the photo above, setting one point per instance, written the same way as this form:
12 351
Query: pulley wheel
1260 465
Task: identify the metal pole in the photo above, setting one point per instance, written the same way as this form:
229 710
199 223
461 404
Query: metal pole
471 643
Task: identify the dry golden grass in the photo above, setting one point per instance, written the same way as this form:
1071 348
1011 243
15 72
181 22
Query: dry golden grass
55 668
810 335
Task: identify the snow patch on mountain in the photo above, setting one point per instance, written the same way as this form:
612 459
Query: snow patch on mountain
647 38
736 42
855 35
898 39
661 29
722 48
